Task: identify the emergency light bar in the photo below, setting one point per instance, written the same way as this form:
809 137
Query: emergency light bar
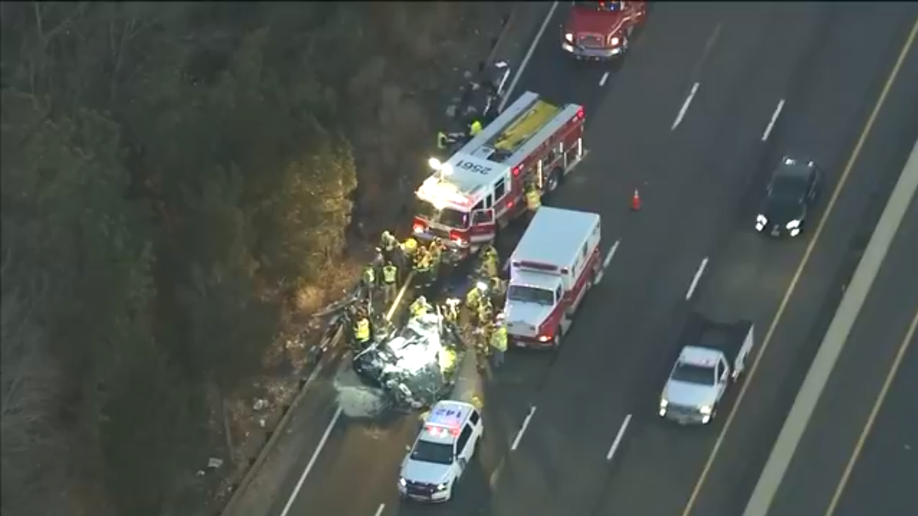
441 431
537 266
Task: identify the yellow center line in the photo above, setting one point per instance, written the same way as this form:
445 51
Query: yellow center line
865 133
868 426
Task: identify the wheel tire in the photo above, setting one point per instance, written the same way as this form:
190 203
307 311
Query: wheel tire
556 341
554 181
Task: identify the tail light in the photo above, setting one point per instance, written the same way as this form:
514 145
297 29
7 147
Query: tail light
580 113
418 227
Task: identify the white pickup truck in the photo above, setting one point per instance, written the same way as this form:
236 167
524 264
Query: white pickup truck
712 358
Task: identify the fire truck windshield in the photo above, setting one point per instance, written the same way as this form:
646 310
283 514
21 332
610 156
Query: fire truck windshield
525 294
446 216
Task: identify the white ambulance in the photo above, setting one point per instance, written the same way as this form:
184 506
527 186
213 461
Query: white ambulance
551 270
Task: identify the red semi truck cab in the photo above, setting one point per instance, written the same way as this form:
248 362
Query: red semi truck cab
551 270
601 30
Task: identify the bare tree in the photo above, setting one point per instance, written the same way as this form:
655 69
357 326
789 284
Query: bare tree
31 461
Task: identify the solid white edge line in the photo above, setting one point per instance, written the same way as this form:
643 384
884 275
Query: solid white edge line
519 435
686 104
698 273
774 118
527 57
618 437
312 462
379 511
602 82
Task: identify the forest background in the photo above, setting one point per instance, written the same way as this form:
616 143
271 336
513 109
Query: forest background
183 183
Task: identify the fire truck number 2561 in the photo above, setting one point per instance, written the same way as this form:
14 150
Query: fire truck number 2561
473 167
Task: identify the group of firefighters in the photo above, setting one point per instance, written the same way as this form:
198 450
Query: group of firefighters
479 301
394 258
382 275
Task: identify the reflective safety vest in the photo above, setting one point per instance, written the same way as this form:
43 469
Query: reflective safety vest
362 330
369 275
475 128
533 199
471 299
423 263
489 266
389 272
418 308
499 339
484 311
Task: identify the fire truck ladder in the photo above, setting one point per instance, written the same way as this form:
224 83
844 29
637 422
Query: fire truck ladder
512 129
526 116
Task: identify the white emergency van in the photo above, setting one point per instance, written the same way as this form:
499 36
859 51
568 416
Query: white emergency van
552 268
441 453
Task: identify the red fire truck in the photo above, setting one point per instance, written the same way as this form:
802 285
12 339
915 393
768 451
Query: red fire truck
601 30
480 188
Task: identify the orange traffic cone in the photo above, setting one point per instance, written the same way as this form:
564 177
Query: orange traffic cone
636 201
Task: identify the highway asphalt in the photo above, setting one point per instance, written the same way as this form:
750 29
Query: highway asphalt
695 182
884 476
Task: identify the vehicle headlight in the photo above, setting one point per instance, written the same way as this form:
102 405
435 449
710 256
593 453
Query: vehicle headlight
760 219
615 41
569 37
793 224
441 487
402 482
663 403
706 410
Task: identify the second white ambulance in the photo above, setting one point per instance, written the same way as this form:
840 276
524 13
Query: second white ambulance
552 268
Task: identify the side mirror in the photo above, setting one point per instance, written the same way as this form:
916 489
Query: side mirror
463 463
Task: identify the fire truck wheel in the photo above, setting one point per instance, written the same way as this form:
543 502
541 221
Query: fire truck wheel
554 180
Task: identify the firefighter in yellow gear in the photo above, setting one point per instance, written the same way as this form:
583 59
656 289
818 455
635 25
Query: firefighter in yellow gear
496 286
435 249
533 197
474 295
474 128
390 282
484 310
409 247
369 275
362 330
421 260
489 262
498 342
419 307
387 242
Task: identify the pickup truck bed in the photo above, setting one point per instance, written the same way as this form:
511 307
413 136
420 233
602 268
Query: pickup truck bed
730 338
